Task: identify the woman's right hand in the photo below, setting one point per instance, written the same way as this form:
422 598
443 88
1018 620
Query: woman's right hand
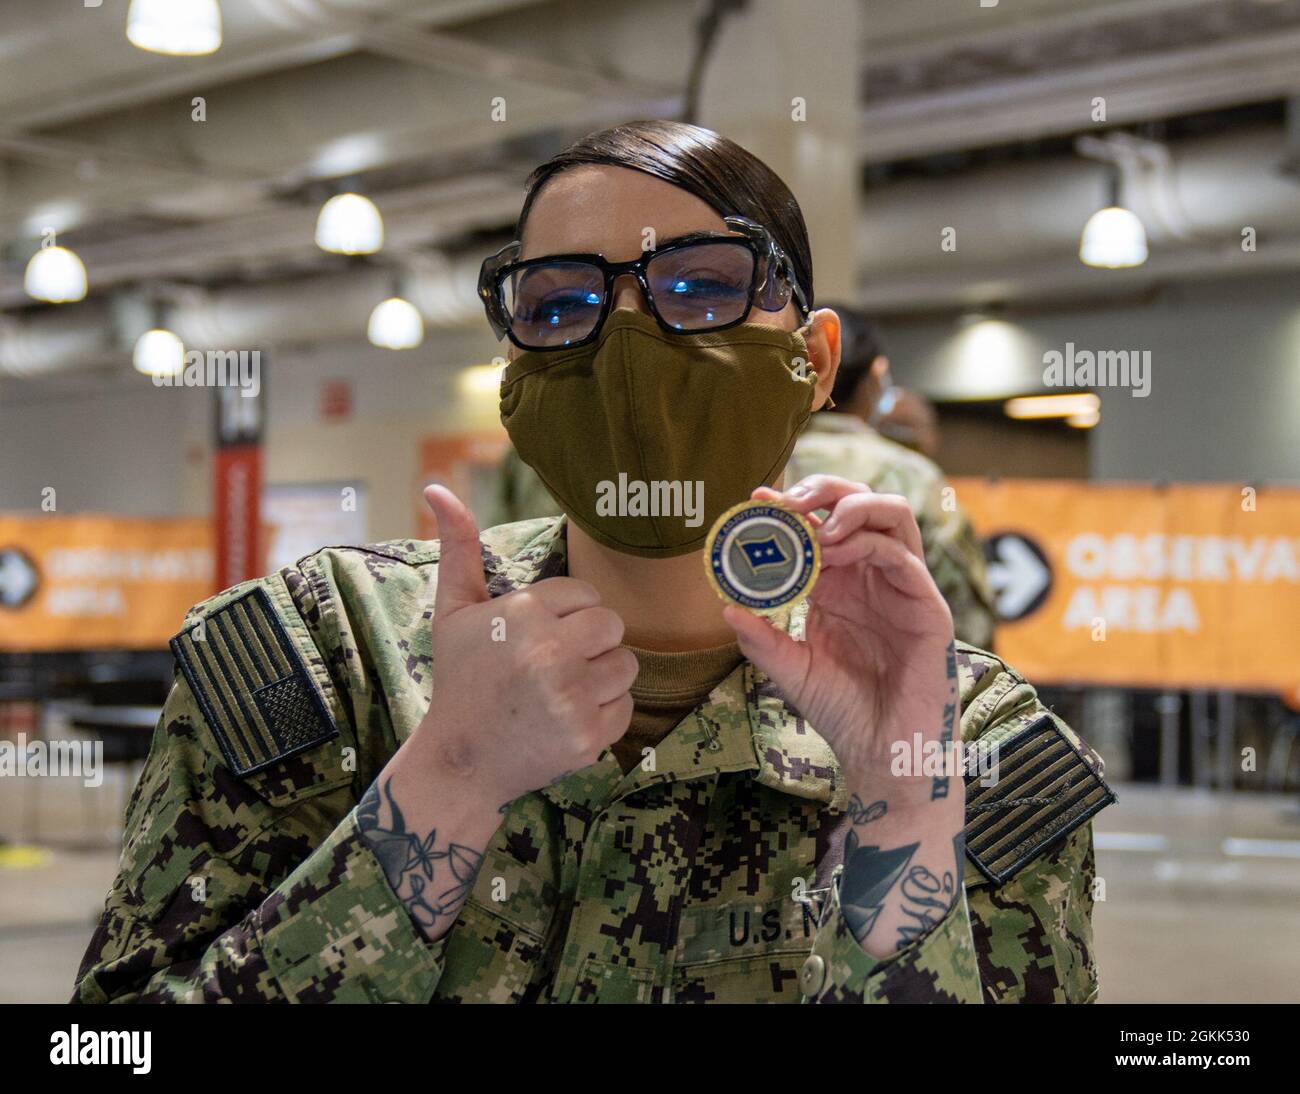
528 686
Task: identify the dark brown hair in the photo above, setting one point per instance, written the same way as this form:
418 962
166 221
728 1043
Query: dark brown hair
701 162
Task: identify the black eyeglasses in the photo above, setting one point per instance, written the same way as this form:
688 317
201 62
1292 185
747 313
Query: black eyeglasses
701 282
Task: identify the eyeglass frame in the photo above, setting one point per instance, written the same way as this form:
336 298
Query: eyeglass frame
772 284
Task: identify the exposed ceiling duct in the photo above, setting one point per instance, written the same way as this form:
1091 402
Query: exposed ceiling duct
100 72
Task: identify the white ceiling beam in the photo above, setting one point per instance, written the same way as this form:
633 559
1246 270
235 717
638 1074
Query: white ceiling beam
452 53
1056 279
1135 89
925 41
117 94
416 217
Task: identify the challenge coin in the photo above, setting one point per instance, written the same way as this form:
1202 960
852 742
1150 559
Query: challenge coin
761 556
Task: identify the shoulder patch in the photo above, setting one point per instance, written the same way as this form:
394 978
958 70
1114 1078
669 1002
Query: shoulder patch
1045 789
252 684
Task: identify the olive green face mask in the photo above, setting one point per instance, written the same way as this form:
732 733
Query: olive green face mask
645 438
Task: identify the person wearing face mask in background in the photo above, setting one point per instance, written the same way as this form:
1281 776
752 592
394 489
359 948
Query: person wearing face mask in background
846 440
403 772
911 421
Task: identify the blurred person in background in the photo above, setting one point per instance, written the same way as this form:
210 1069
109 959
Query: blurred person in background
910 419
545 762
841 440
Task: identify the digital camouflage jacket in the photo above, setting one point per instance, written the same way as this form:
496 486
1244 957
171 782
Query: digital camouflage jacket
842 444
710 878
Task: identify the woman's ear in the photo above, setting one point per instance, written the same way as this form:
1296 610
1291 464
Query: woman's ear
823 339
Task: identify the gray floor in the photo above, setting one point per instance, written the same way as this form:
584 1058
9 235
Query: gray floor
1188 913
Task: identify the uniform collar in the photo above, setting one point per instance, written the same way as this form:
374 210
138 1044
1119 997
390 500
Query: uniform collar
743 725
519 554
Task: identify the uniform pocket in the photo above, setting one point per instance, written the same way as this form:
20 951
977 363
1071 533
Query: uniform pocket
601 982
772 978
488 960
496 951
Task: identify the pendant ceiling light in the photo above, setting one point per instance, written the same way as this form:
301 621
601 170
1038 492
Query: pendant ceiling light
396 324
180 28
350 224
55 275
1114 237
159 353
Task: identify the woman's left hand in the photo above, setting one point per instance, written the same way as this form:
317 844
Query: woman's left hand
877 664
877 669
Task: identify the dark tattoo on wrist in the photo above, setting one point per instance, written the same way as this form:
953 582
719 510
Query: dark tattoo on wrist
926 900
860 813
939 785
431 883
870 874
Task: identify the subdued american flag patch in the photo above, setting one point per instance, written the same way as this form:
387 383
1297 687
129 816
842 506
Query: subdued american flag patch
1044 790
252 684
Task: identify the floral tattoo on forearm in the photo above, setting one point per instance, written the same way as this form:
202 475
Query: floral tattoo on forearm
431 883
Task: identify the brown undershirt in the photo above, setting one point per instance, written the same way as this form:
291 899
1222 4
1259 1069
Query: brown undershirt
668 687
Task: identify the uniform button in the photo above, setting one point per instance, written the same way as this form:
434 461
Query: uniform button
813 975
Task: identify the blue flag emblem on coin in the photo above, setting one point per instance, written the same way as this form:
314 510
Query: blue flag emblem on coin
761 553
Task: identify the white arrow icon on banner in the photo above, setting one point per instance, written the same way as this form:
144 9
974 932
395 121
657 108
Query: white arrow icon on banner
17 579
1018 575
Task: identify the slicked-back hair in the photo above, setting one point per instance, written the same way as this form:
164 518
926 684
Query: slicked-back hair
704 163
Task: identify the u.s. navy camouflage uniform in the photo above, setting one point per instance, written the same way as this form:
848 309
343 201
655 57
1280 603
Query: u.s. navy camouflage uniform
243 877
843 444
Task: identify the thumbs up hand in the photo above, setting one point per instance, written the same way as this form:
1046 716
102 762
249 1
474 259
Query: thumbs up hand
527 686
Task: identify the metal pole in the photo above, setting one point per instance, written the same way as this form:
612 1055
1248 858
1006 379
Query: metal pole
1227 739
1201 731
1168 706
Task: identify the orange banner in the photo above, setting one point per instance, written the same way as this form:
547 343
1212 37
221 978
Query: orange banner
97 582
1181 586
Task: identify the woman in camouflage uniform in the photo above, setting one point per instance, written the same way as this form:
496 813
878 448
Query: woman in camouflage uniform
544 762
